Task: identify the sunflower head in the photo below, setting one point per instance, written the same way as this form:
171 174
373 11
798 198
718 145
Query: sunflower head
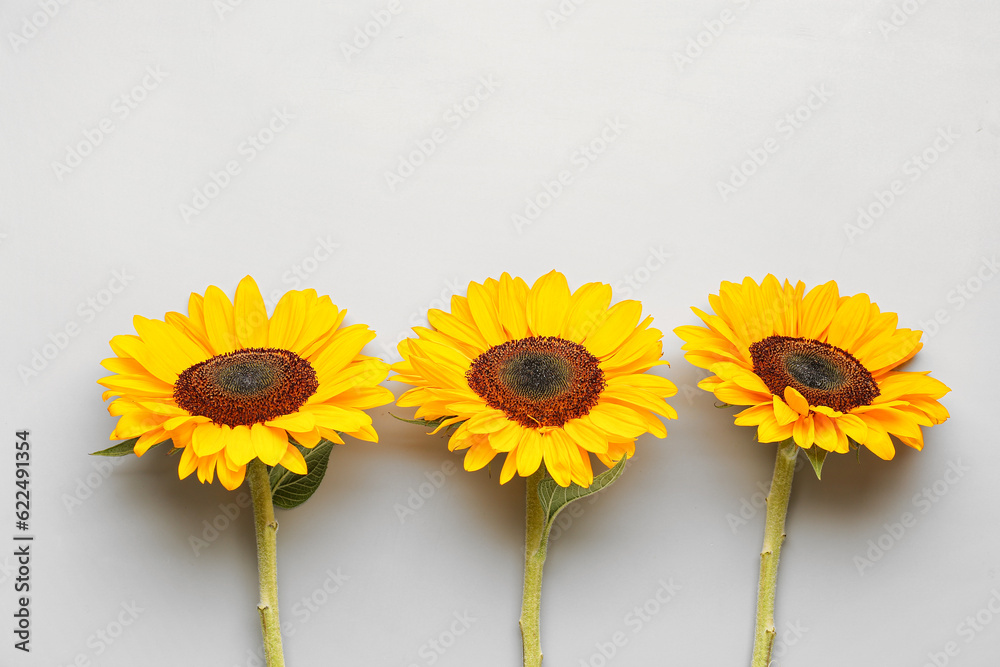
227 384
814 366
540 374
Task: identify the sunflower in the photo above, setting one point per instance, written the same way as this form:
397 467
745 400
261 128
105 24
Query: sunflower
226 384
538 374
816 367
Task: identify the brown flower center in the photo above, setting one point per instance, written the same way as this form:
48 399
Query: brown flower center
246 387
538 381
822 373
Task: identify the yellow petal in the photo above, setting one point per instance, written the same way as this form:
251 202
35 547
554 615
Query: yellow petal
321 321
557 458
818 308
479 454
169 344
513 298
293 461
796 401
804 432
219 321
138 385
509 466
154 363
783 413
231 479
451 326
488 421
240 448
854 427
729 392
188 463
616 420
880 444
529 452
250 315
344 347
850 320
826 434
548 301
269 444
582 470
587 308
298 421
585 436
308 439
615 329
485 314
207 439
337 418
506 438
287 321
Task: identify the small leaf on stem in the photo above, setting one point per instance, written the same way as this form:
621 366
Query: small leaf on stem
554 497
290 490
816 457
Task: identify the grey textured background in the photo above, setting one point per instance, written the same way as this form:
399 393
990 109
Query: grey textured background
893 78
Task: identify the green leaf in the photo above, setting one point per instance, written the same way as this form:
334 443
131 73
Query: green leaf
427 423
857 449
290 490
121 449
126 447
816 457
554 497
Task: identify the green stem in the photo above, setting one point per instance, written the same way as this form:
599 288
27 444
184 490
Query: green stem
267 561
536 540
774 535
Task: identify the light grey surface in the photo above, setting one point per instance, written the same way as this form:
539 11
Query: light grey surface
678 129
